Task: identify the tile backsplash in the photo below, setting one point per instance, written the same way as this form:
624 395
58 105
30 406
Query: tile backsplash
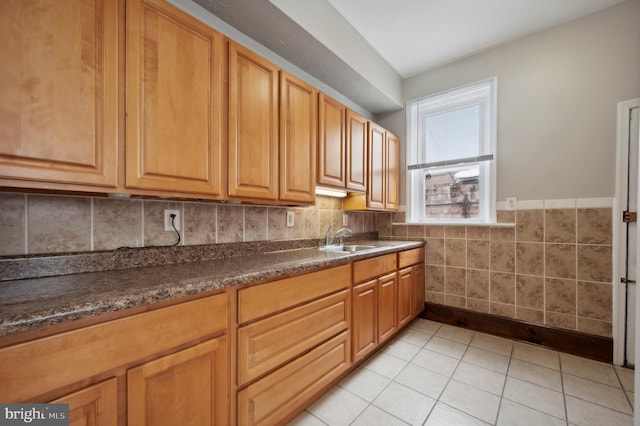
552 267
37 224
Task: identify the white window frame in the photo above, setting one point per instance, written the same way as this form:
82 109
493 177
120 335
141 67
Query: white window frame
415 178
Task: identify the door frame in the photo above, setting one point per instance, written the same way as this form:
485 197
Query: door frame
619 244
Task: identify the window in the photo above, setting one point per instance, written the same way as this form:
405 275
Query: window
450 155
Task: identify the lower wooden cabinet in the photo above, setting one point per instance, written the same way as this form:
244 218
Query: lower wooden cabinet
94 405
185 388
278 397
406 306
411 289
289 340
273 341
375 300
387 306
167 366
293 342
365 319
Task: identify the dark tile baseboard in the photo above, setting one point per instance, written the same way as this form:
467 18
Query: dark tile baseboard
580 344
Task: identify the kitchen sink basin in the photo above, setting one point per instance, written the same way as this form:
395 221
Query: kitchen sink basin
347 248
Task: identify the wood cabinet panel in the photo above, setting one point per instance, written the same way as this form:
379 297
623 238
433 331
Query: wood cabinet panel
298 134
278 397
59 85
71 357
174 101
392 165
253 125
377 173
94 405
365 319
189 387
356 158
264 299
387 306
419 288
269 343
331 142
374 267
410 257
406 306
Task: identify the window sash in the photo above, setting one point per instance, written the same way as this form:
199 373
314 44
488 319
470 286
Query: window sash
481 94
455 162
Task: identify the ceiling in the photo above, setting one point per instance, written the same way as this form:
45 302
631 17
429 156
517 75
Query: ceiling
365 48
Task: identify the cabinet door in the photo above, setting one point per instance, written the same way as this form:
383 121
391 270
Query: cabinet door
356 160
392 159
253 125
419 289
377 173
95 405
406 307
387 306
59 86
174 101
298 133
365 319
331 142
189 387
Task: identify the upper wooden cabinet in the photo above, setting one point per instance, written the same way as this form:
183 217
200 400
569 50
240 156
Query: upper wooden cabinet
377 172
58 93
332 118
356 159
383 168
391 172
253 125
175 69
342 146
272 139
298 133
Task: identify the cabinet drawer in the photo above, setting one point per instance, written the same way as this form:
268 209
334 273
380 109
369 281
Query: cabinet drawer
33 368
264 299
271 342
410 257
277 397
371 268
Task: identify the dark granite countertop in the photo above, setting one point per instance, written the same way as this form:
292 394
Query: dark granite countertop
31 303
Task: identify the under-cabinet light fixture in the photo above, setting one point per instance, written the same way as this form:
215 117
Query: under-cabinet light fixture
331 192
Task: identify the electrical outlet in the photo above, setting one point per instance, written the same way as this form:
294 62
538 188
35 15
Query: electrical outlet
290 219
512 203
167 220
345 219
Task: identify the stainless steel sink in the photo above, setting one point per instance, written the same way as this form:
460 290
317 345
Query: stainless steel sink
346 248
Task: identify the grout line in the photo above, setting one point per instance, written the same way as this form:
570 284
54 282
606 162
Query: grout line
26 223
91 222
504 384
142 242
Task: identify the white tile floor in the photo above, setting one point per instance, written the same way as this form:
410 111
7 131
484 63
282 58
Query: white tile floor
435 374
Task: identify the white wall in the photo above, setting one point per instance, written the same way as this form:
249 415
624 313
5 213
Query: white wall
557 97
327 25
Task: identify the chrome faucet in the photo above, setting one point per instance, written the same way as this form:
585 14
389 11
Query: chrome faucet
340 233
327 237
